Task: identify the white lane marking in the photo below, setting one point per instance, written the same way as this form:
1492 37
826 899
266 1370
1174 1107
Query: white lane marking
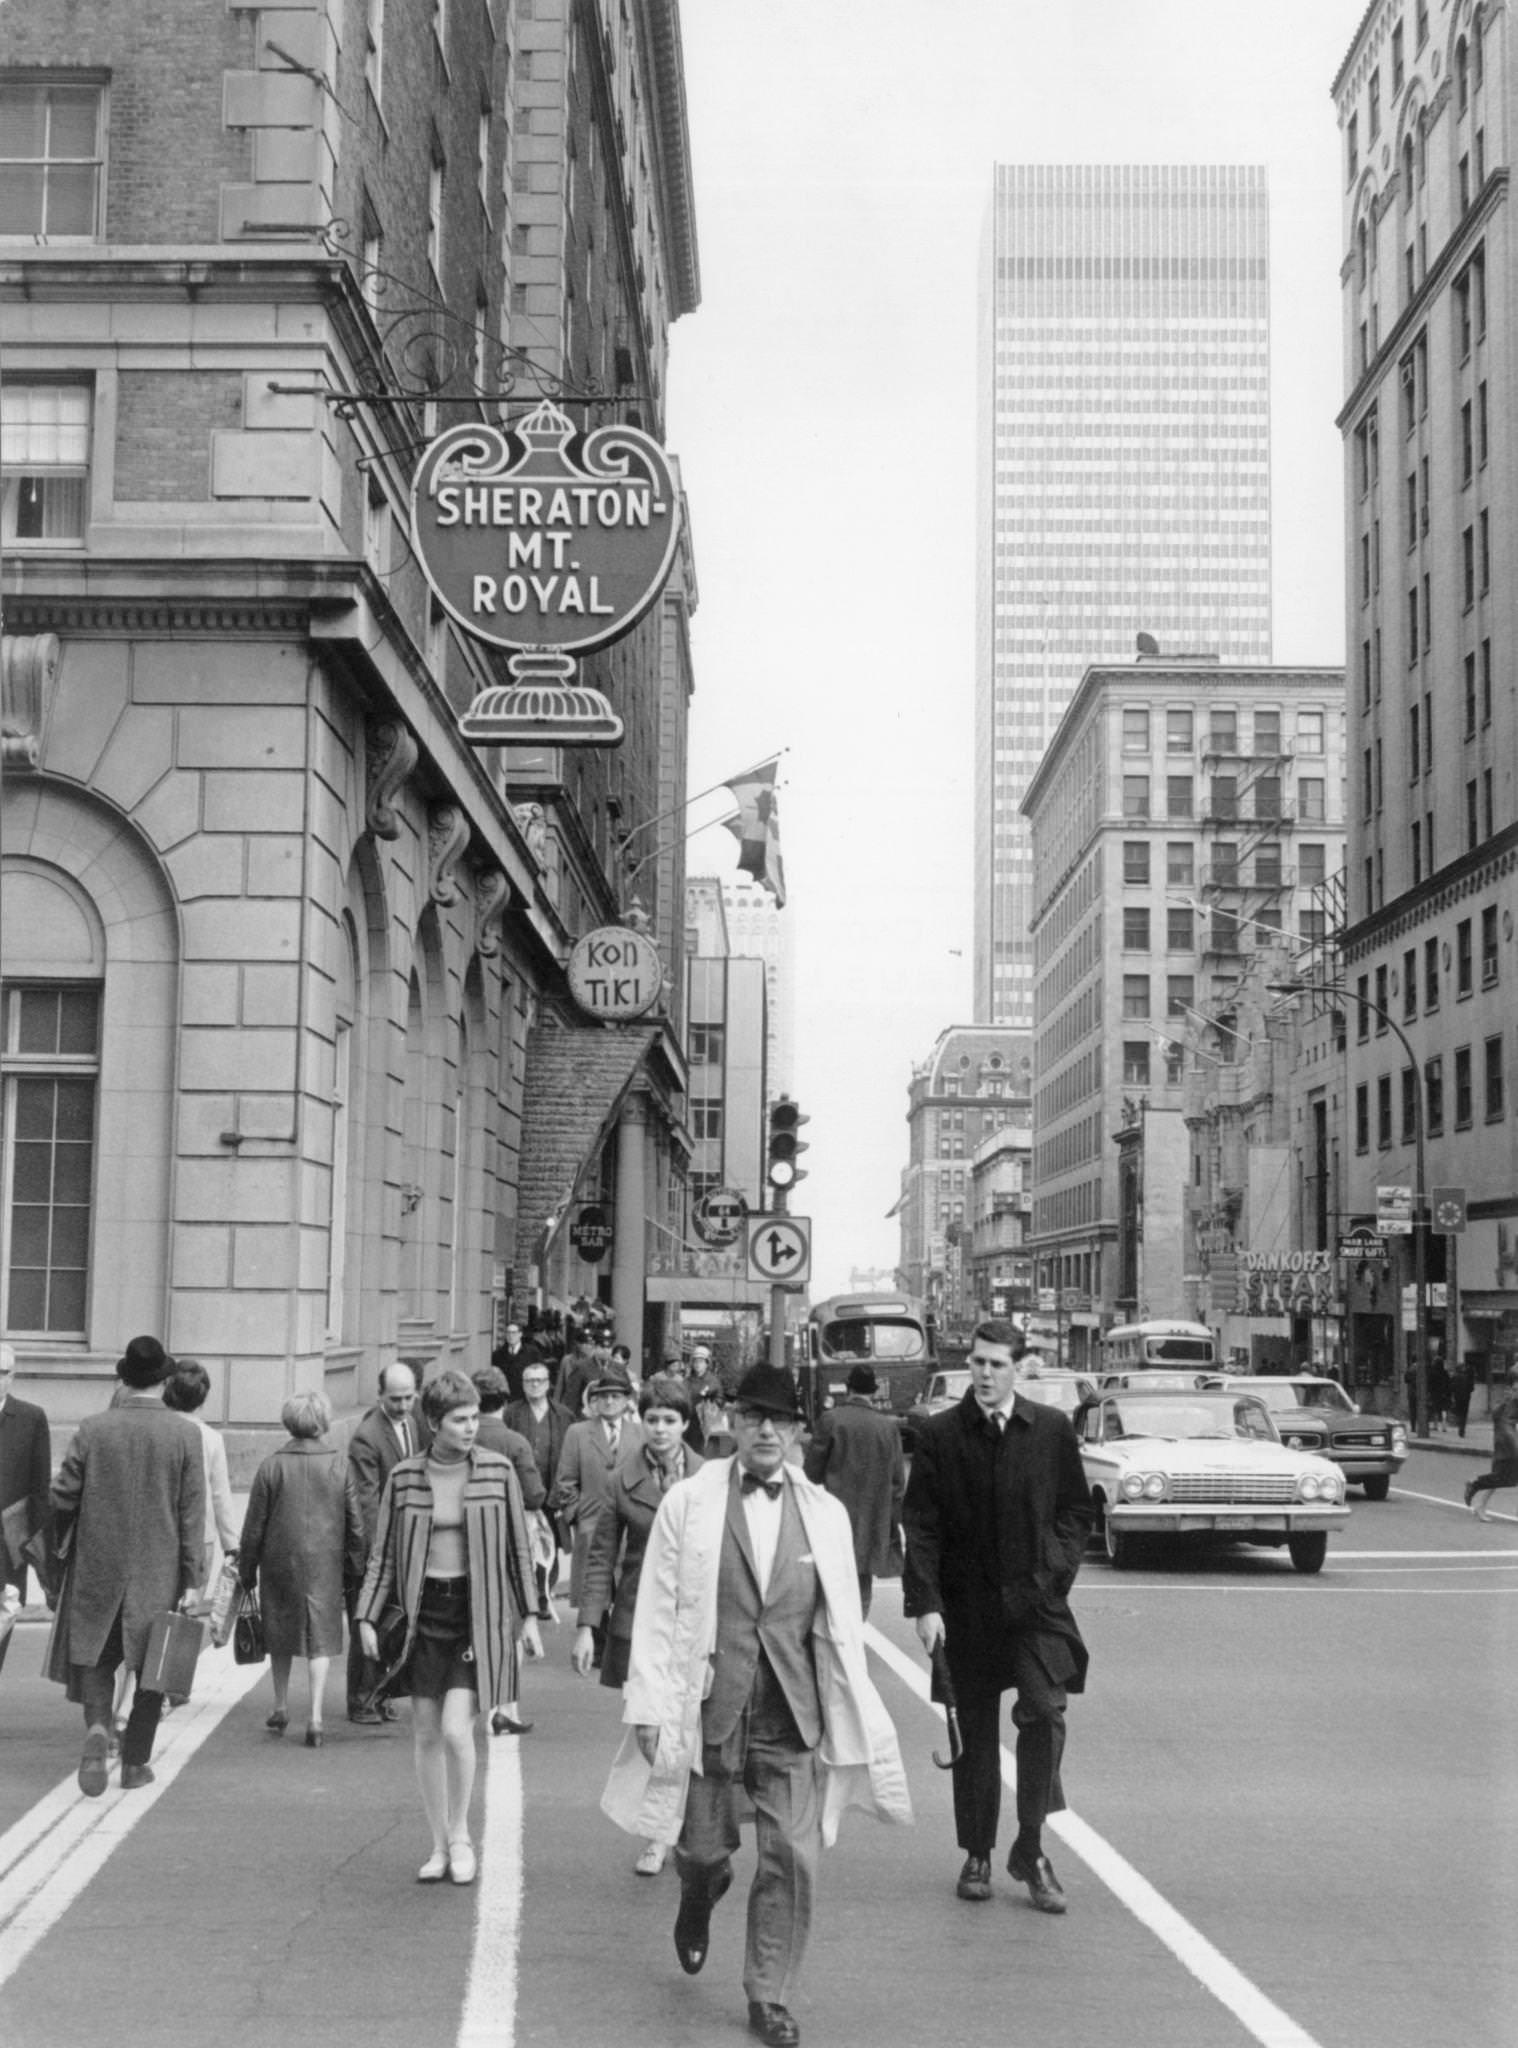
1259 2017
490 2001
1440 1500
50 1855
1338 1556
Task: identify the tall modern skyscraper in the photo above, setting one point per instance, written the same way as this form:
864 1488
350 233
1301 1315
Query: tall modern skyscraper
1124 471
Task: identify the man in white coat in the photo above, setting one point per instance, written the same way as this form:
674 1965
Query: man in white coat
748 1674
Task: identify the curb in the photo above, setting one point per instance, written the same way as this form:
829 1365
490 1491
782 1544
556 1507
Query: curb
1457 1447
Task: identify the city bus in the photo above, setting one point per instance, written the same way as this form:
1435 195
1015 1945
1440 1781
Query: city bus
1145 1347
887 1332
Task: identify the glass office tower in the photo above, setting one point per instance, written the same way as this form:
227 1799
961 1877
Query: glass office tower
1124 480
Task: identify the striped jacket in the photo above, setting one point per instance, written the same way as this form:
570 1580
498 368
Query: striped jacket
501 1586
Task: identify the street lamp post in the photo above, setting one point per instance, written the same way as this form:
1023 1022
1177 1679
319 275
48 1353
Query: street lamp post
1335 993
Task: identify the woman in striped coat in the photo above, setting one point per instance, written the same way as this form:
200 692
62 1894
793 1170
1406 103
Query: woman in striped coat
451 1548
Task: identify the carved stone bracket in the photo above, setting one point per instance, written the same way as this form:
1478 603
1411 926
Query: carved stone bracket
28 672
447 837
392 753
492 893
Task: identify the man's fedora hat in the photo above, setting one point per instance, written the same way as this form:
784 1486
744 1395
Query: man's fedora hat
612 1381
769 1389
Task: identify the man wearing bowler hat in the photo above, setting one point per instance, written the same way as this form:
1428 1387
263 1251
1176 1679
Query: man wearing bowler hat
747 1667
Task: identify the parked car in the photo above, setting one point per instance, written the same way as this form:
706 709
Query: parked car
1067 1390
1316 1414
1204 1462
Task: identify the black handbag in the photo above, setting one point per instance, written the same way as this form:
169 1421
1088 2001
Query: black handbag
248 1646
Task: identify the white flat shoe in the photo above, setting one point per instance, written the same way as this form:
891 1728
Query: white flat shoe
435 1869
650 1859
462 1865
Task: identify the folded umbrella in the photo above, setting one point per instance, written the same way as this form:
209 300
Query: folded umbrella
942 1691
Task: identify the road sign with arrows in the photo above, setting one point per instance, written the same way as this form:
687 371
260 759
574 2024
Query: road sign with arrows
780 1250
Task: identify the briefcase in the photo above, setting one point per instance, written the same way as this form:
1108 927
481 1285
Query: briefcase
174 1643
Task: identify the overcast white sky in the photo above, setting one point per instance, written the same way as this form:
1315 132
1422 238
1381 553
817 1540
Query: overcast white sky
822 404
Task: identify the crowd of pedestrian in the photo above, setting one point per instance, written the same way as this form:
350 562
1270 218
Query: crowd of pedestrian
722 1561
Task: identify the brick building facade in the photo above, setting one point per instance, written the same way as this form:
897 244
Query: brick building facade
291 1076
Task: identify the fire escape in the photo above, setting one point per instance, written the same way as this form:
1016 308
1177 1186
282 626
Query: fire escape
1245 822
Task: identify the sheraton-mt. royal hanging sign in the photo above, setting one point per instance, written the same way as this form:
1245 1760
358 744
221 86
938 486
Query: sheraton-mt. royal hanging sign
549 543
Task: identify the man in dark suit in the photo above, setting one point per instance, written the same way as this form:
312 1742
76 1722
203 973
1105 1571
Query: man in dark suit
496 1434
997 1516
856 1454
394 1428
26 1468
513 1357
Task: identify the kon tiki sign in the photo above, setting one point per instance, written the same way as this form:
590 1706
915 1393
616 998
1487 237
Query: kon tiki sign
548 543
615 973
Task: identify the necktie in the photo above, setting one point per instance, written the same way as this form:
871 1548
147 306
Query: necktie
752 1483
996 1422
611 1439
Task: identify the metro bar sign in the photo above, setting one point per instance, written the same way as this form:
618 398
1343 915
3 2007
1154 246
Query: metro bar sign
551 543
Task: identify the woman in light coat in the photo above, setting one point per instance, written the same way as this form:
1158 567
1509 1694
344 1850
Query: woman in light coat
451 1549
302 1536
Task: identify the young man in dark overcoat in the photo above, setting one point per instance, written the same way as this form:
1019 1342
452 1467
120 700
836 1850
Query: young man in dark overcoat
997 1515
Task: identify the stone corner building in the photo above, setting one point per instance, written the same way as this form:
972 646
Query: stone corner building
282 955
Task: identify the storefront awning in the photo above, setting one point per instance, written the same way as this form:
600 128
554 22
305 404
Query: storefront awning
572 1093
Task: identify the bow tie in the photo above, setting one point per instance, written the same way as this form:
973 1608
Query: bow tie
752 1483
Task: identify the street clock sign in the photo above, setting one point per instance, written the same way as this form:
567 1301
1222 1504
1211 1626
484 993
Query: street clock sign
548 543
615 973
1449 1210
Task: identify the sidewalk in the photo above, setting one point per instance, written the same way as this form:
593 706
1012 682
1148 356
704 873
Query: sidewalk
1476 1443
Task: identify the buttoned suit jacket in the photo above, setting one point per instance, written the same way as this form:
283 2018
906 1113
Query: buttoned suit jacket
995 1539
373 1454
580 1485
856 1454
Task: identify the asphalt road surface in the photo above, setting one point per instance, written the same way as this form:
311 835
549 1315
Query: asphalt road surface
1294 1823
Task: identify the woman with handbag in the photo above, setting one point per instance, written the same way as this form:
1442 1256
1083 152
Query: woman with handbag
451 1547
302 1537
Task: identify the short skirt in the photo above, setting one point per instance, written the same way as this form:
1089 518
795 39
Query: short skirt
442 1656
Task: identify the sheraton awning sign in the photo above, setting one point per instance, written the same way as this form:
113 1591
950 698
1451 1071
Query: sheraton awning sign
549 543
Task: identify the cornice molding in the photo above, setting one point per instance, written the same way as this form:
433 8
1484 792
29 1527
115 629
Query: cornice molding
1475 871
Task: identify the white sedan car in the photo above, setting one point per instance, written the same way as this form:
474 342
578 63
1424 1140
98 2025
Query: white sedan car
1204 1462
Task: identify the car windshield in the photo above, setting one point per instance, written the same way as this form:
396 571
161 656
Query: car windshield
1308 1394
1066 1394
1199 1416
948 1386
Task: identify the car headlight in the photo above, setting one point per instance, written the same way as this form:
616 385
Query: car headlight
1131 1486
1399 1439
1154 1486
1307 1486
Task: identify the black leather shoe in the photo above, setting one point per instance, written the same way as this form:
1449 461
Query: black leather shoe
93 1764
135 1775
1470 1488
693 1923
366 1717
1037 1873
975 1878
772 2023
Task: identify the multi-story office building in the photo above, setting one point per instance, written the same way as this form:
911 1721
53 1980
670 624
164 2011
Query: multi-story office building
1124 446
758 929
1185 822
1426 104
973 1083
999 1274
291 1075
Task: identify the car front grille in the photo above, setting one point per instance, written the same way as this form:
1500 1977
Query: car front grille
1232 1486
1363 1440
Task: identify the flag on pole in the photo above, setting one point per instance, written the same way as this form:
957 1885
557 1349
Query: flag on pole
757 828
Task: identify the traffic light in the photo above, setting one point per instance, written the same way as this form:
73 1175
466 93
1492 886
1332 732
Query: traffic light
785 1144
